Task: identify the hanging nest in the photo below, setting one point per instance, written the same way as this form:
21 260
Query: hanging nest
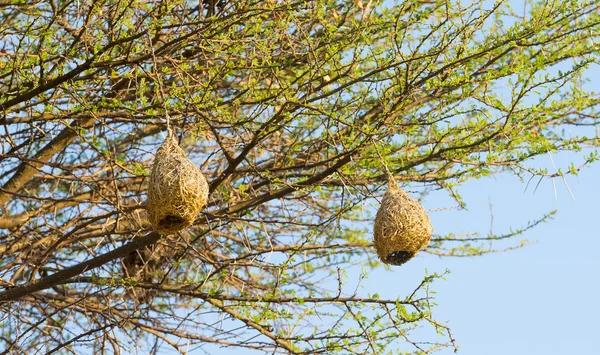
402 226
177 190
144 265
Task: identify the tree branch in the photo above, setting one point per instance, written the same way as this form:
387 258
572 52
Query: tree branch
15 293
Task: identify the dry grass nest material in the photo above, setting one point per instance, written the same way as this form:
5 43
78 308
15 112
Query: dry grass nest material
402 226
177 190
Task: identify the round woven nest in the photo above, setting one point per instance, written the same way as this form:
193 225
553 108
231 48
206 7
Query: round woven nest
402 226
177 190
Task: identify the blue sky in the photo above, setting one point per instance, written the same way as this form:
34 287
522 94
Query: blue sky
540 299
537 300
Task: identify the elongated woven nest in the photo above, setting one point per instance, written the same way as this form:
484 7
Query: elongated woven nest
402 226
177 190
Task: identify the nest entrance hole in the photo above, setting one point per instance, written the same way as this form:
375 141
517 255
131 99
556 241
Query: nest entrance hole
399 257
172 222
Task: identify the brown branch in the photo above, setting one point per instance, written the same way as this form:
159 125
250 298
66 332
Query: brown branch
15 293
188 290
243 205
66 77
26 170
250 323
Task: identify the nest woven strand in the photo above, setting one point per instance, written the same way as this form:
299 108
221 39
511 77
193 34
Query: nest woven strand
143 265
177 190
402 226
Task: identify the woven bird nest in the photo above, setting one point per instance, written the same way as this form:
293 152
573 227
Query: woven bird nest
144 265
177 190
402 226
